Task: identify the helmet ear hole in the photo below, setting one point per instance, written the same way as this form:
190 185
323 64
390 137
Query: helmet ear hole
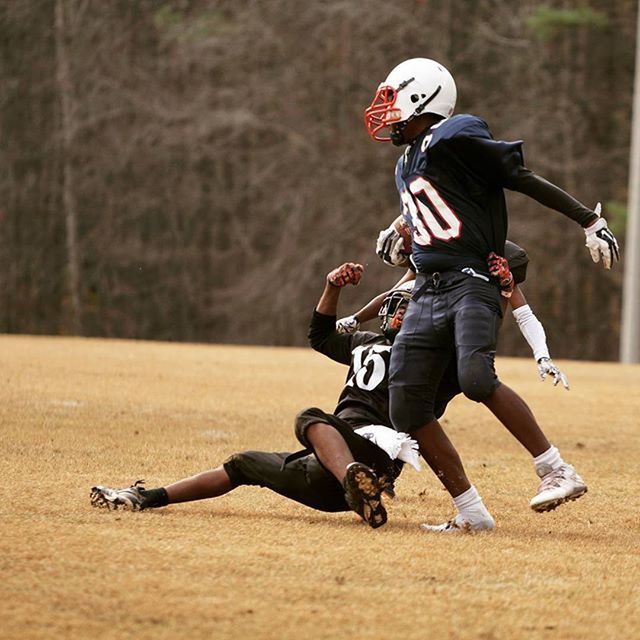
415 97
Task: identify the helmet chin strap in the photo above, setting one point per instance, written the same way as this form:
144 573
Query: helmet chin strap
397 133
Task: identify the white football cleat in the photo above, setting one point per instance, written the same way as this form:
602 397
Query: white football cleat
558 486
459 524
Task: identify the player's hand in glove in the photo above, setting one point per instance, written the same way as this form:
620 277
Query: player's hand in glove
499 269
391 246
347 273
601 242
547 368
350 324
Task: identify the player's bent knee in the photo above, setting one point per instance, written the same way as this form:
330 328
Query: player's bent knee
246 468
477 379
407 412
235 466
304 420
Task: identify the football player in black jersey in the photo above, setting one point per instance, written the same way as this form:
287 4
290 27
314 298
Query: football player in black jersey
451 180
351 456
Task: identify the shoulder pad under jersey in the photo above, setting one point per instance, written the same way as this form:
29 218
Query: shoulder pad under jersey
462 124
518 260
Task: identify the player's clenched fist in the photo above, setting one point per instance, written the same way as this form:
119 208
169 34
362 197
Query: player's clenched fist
347 273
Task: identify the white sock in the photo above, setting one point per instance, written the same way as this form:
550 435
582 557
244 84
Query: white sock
548 461
470 505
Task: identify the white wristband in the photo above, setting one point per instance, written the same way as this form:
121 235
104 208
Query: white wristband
532 330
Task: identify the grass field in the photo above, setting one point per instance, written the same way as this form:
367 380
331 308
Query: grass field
77 412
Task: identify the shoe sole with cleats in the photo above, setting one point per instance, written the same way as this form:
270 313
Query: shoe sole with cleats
453 527
550 505
363 494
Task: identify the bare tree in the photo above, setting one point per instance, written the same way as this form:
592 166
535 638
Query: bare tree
67 130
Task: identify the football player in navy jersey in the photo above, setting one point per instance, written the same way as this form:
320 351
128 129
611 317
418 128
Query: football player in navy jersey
511 272
512 269
451 180
351 456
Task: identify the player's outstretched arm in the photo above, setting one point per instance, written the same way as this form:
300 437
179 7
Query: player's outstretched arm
352 323
530 327
599 239
533 332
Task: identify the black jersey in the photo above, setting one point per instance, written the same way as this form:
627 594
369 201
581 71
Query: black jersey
365 397
451 182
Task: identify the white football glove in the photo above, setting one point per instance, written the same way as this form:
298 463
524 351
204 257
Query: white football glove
547 368
389 247
350 324
601 242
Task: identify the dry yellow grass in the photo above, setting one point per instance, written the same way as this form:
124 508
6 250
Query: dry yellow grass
251 565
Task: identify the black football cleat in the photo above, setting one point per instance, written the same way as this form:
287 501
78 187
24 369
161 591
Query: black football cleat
362 493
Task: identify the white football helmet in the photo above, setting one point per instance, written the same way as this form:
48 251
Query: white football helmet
414 87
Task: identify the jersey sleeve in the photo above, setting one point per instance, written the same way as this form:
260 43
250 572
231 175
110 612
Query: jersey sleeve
324 338
467 142
526 181
495 161
501 164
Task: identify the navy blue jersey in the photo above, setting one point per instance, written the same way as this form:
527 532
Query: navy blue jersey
450 182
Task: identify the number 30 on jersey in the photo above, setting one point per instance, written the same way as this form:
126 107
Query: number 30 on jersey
440 223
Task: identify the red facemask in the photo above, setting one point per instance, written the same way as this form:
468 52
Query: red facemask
381 113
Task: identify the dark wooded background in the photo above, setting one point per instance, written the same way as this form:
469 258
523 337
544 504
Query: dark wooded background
190 170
